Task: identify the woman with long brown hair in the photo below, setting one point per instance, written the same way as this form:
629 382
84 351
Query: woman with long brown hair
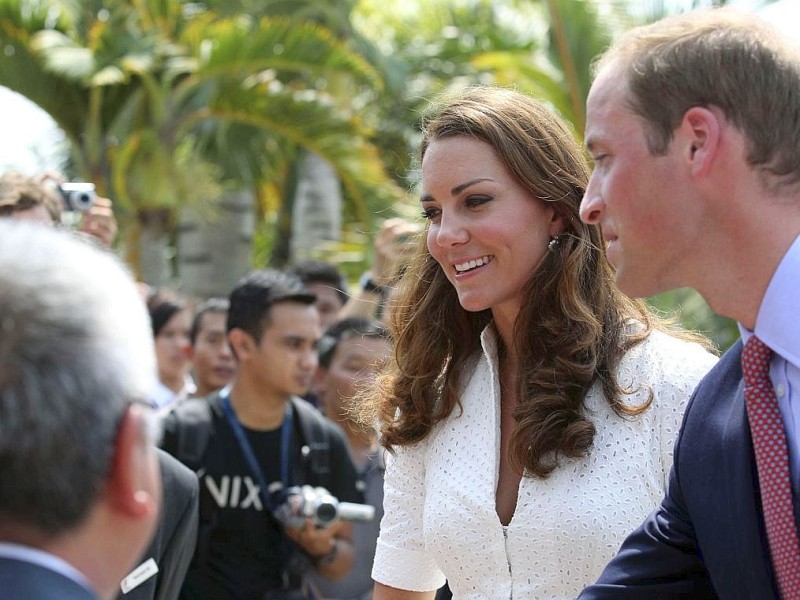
532 407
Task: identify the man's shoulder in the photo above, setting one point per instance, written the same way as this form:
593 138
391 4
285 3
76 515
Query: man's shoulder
727 372
313 421
194 411
177 478
22 579
188 429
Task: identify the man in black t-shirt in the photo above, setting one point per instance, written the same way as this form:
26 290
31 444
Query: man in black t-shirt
243 551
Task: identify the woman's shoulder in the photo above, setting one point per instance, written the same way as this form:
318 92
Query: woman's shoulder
663 357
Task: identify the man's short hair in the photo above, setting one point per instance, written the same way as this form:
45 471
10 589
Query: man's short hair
19 192
254 296
212 305
346 329
318 271
75 351
719 58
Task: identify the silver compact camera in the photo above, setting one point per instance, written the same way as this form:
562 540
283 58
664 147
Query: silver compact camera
78 196
319 505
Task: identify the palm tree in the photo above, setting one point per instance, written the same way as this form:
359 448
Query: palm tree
164 105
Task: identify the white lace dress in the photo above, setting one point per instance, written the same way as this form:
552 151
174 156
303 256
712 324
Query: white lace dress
439 495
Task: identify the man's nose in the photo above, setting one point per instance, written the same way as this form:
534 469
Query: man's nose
592 204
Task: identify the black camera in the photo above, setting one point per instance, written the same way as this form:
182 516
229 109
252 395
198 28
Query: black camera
77 196
319 505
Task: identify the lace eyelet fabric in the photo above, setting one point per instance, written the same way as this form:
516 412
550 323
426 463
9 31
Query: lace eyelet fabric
439 496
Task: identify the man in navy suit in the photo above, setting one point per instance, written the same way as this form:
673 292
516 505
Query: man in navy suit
693 124
79 482
160 572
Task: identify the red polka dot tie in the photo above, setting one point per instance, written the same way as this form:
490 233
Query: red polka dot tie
772 461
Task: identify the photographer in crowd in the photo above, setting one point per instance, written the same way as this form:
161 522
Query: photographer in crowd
255 439
32 199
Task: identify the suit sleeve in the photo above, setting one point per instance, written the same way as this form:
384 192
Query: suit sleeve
181 492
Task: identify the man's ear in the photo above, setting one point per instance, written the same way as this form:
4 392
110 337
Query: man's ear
134 479
700 132
242 343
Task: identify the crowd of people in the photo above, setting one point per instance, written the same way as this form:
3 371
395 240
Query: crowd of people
493 413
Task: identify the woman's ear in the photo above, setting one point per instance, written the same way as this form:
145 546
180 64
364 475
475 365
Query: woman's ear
556 224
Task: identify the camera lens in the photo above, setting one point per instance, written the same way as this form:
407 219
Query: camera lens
326 512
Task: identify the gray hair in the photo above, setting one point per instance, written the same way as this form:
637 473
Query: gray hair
75 350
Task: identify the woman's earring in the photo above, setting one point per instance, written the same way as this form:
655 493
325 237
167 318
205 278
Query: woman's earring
553 244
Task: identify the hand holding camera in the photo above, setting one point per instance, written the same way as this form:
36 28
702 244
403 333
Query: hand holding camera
77 196
321 507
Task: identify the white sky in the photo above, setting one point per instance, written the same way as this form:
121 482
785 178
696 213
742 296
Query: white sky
31 143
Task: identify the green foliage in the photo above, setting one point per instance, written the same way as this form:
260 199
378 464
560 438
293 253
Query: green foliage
693 313
166 102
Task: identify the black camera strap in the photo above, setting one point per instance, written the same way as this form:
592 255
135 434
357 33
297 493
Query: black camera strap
249 454
255 469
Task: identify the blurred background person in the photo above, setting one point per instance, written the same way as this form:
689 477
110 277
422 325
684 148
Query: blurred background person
392 248
252 441
22 198
171 319
327 283
213 366
34 199
350 354
79 481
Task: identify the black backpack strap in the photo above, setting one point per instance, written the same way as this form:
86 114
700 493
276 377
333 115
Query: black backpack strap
192 431
187 430
316 451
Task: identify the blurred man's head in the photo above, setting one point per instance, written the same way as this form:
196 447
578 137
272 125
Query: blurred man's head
212 360
350 353
23 198
77 456
327 283
273 329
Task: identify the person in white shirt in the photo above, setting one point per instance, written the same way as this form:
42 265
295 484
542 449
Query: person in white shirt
171 320
532 407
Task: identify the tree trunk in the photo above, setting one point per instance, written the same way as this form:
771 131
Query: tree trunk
317 214
215 245
153 247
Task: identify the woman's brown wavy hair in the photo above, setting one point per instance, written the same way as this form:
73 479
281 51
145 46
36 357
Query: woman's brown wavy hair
571 332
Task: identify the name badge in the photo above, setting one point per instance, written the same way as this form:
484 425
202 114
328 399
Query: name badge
140 574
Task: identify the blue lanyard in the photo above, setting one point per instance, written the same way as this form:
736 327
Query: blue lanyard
247 449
